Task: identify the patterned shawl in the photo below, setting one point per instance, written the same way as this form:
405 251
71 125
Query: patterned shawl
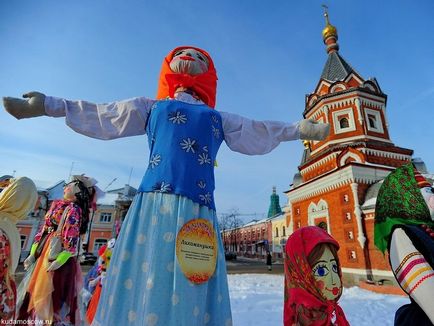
304 303
399 202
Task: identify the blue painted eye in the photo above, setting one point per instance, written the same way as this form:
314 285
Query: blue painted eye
335 268
320 270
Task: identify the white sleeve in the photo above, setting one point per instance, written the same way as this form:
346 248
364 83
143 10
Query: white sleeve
412 271
256 137
102 121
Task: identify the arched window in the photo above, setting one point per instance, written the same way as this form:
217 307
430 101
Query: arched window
372 121
277 231
343 123
283 231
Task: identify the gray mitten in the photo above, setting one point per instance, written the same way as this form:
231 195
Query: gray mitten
33 106
312 130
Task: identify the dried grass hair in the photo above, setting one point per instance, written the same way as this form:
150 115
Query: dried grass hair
84 200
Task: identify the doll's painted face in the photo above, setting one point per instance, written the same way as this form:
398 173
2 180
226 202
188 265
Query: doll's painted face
189 61
428 195
70 190
326 273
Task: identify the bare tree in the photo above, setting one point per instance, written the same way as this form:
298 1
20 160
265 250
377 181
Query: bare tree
229 224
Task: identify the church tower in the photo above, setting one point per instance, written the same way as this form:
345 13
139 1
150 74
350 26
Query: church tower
334 175
274 208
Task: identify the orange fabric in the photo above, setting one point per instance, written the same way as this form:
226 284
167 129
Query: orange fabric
93 304
204 85
41 286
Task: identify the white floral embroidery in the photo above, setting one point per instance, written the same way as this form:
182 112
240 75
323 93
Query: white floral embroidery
188 145
204 159
205 148
155 160
206 198
215 119
162 187
177 117
201 184
216 132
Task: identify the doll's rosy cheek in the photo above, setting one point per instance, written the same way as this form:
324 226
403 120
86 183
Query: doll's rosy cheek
320 284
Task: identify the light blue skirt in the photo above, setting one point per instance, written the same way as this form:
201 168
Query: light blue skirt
145 285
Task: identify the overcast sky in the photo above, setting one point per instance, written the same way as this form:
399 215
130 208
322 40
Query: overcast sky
268 55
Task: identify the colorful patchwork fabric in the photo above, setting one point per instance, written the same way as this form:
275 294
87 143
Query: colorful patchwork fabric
71 225
413 271
7 284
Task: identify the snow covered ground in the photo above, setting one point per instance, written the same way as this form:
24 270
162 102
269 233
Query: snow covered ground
257 300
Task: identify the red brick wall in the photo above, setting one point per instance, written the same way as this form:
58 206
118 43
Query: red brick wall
340 202
378 260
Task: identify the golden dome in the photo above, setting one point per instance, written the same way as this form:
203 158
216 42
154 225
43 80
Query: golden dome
328 31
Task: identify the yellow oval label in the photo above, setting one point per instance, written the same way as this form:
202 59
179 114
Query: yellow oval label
196 250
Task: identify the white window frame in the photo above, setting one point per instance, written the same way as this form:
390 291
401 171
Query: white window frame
377 116
107 217
336 123
319 211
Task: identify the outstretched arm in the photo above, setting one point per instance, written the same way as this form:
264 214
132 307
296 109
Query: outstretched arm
412 271
102 121
260 137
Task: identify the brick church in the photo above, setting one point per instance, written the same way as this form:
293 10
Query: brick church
339 178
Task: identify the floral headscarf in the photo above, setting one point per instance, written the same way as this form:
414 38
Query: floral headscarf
304 303
205 85
399 201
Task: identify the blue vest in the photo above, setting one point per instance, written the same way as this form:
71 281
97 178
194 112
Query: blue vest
183 141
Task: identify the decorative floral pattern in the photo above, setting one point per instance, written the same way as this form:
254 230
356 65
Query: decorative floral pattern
207 198
201 184
71 226
177 117
155 160
7 284
162 187
188 145
204 159
215 119
216 132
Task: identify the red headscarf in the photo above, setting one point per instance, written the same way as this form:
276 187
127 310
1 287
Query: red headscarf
204 85
304 304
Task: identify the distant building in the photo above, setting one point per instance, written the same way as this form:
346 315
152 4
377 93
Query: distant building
256 237
107 220
279 235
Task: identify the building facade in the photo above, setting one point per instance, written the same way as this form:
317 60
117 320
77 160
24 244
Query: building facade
279 235
339 177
